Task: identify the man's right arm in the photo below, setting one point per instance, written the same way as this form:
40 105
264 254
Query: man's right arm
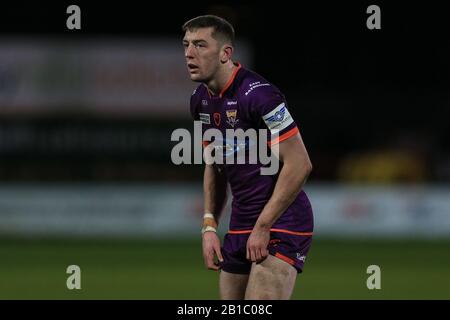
214 190
215 197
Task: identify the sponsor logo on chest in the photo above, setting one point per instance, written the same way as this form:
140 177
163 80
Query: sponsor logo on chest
205 118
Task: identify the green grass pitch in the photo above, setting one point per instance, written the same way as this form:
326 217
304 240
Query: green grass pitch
163 269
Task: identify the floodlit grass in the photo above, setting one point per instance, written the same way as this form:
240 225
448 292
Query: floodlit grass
161 269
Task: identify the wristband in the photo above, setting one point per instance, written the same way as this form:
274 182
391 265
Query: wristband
208 216
208 228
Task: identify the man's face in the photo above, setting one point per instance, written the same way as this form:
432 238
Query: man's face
202 53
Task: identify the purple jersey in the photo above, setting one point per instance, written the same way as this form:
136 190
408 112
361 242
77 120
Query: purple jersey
250 101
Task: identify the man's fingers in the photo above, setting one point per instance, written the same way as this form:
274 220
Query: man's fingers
211 264
214 267
209 260
264 254
206 260
257 255
218 253
252 255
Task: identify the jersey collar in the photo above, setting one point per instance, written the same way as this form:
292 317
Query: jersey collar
229 83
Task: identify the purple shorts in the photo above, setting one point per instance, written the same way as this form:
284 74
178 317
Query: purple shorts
289 247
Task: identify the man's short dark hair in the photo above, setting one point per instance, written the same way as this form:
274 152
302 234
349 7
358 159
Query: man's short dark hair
222 29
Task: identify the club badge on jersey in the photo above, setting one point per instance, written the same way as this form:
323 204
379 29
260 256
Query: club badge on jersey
231 115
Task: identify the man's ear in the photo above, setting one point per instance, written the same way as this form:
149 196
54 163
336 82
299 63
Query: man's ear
226 53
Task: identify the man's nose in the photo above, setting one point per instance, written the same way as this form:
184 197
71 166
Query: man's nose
188 52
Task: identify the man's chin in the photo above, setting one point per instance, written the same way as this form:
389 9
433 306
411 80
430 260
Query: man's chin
196 78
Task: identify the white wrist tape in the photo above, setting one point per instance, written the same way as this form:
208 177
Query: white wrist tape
208 215
208 228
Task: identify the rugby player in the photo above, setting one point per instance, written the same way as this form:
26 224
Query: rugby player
271 224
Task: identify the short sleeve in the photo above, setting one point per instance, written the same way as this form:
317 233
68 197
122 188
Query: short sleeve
270 110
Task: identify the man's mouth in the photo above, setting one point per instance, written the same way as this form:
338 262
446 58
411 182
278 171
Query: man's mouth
192 67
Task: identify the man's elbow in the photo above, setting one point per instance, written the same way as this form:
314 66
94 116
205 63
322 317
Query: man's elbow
303 171
308 168
302 174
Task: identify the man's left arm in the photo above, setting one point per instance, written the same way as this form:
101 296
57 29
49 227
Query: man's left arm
294 172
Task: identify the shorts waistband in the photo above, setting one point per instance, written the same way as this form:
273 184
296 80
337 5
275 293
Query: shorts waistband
273 230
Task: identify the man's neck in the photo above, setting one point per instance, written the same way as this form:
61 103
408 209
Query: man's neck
217 84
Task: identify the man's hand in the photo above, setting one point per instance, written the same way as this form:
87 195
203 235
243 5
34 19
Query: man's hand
257 245
211 248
